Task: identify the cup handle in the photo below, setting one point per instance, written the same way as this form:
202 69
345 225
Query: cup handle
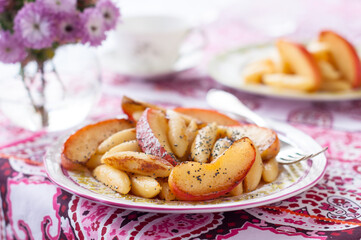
187 51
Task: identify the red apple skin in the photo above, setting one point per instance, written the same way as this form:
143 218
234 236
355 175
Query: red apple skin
208 116
355 60
133 108
184 196
148 141
316 73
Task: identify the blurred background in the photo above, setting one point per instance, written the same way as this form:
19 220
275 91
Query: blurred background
233 23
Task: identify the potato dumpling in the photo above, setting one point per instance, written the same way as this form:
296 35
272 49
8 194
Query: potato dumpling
112 178
117 138
203 143
144 186
177 134
270 170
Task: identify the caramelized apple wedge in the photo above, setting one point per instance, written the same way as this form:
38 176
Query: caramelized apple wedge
207 116
253 177
344 56
193 181
320 51
81 145
301 62
265 139
139 163
134 109
152 135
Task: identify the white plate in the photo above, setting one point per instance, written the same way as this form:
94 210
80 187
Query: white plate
292 180
227 69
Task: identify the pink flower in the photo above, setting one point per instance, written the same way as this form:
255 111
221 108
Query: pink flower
109 12
35 26
11 50
94 29
69 27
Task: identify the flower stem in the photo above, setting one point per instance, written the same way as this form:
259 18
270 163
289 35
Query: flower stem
58 78
38 109
22 74
42 109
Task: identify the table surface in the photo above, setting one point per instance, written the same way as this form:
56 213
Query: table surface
34 208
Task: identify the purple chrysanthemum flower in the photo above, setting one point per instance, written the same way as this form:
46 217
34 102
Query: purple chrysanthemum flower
94 29
69 27
11 50
110 13
59 6
35 26
3 5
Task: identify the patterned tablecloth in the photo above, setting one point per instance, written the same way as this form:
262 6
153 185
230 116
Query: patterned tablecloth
34 208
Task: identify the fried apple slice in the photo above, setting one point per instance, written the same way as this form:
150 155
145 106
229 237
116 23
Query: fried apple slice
253 177
265 139
116 139
139 163
152 135
203 143
328 71
112 178
194 181
134 109
177 134
207 116
301 62
319 51
81 145
344 55
144 186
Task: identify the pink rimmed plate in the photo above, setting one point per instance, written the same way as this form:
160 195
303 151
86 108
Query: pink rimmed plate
292 180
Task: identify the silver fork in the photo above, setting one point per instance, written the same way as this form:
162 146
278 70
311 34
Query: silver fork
226 102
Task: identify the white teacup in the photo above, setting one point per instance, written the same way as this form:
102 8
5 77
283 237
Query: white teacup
154 45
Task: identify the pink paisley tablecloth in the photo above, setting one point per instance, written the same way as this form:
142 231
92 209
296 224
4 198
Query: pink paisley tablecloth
32 207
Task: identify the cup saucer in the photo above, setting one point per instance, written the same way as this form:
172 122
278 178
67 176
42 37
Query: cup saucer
109 62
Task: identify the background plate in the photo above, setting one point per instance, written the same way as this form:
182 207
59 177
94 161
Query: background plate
292 180
227 68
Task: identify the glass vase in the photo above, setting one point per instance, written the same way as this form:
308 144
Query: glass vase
54 95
